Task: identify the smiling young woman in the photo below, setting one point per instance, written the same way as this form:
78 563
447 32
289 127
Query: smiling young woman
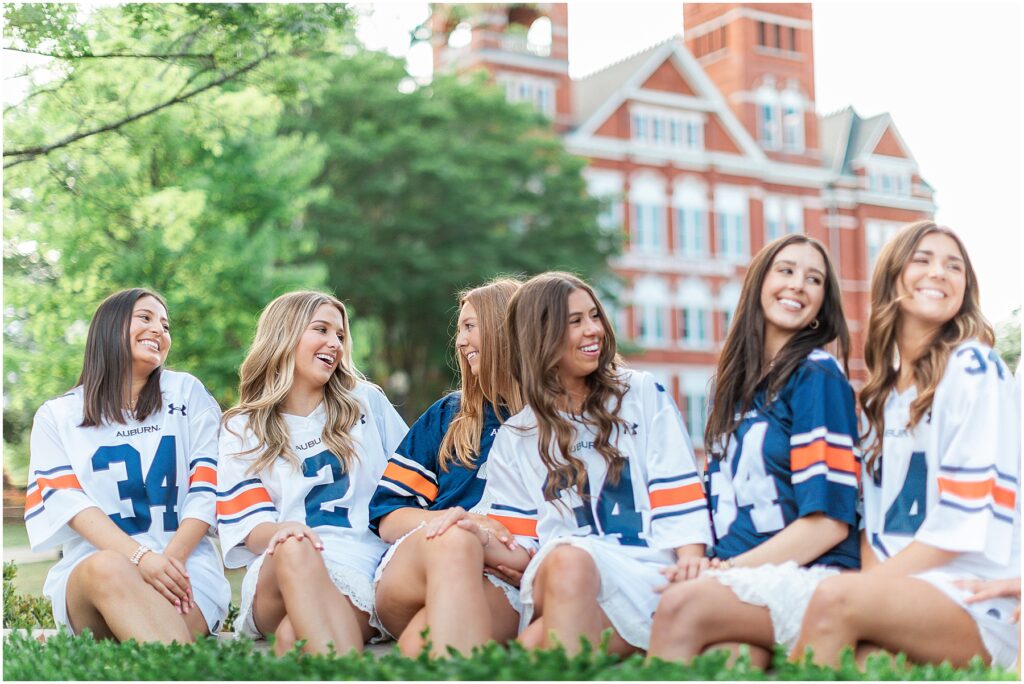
597 472
941 498
299 459
433 575
131 437
782 475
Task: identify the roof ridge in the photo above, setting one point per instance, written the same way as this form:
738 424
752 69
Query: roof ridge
649 48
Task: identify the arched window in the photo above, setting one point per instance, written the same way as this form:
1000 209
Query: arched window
650 307
694 304
647 217
728 299
792 121
768 123
690 206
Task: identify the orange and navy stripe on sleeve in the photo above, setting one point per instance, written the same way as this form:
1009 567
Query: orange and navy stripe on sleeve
246 498
820 452
408 478
975 490
518 521
678 495
46 484
202 475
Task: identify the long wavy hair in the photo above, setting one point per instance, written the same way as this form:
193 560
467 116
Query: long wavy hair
538 318
106 377
267 375
494 384
741 373
881 352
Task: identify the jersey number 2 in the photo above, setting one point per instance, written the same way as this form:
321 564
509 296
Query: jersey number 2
320 496
160 487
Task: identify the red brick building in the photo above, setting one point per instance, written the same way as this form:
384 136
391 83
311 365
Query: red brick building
707 145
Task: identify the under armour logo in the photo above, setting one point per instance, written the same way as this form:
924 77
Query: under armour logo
362 419
171 408
633 428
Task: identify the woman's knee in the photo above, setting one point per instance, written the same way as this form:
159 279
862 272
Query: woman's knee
570 572
108 573
682 612
454 549
831 604
296 559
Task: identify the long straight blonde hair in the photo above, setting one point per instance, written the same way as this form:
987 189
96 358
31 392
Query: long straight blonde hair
880 351
494 384
267 375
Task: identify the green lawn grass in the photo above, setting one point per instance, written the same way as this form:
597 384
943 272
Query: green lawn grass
15 535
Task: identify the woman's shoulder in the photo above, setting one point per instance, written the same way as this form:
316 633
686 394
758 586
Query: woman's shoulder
974 360
63 405
820 361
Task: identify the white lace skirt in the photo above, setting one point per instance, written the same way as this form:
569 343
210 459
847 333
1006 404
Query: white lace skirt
353 583
785 590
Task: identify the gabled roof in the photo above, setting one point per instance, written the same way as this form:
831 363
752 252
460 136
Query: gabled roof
844 136
597 96
591 91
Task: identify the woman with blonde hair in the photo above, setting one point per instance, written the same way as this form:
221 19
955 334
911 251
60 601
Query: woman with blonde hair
439 470
121 476
942 455
782 471
597 471
300 456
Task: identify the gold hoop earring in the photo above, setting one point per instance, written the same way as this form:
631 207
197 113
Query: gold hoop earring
815 324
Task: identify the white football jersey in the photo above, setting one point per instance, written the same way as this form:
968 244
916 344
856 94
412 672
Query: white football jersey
657 504
146 476
321 495
953 481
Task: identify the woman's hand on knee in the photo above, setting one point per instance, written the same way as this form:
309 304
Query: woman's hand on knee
169 577
983 590
440 524
293 530
497 530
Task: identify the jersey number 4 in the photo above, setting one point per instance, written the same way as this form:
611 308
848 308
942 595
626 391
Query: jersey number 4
323 495
616 511
751 486
159 488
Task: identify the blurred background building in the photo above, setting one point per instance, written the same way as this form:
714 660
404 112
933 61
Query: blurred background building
706 146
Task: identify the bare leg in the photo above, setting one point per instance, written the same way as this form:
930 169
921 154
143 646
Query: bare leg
295 582
402 590
567 586
411 643
284 637
699 614
894 613
106 594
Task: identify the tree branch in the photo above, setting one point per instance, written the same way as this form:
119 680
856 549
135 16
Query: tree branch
111 55
29 153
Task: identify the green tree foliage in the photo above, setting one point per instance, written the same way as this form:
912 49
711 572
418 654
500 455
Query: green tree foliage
1008 340
432 191
172 53
201 201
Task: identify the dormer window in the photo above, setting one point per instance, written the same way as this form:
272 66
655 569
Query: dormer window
667 128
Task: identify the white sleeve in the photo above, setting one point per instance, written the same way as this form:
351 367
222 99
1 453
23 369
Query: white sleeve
679 510
242 500
390 425
204 424
55 494
509 500
979 467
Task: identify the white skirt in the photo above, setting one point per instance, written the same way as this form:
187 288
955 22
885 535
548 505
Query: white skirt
353 583
626 595
785 590
210 589
511 592
1000 636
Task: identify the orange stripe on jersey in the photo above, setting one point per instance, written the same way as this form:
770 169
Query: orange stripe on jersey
203 474
820 451
978 490
524 527
411 479
62 482
679 495
243 501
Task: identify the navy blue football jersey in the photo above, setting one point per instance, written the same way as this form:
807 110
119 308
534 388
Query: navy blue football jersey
789 458
414 477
